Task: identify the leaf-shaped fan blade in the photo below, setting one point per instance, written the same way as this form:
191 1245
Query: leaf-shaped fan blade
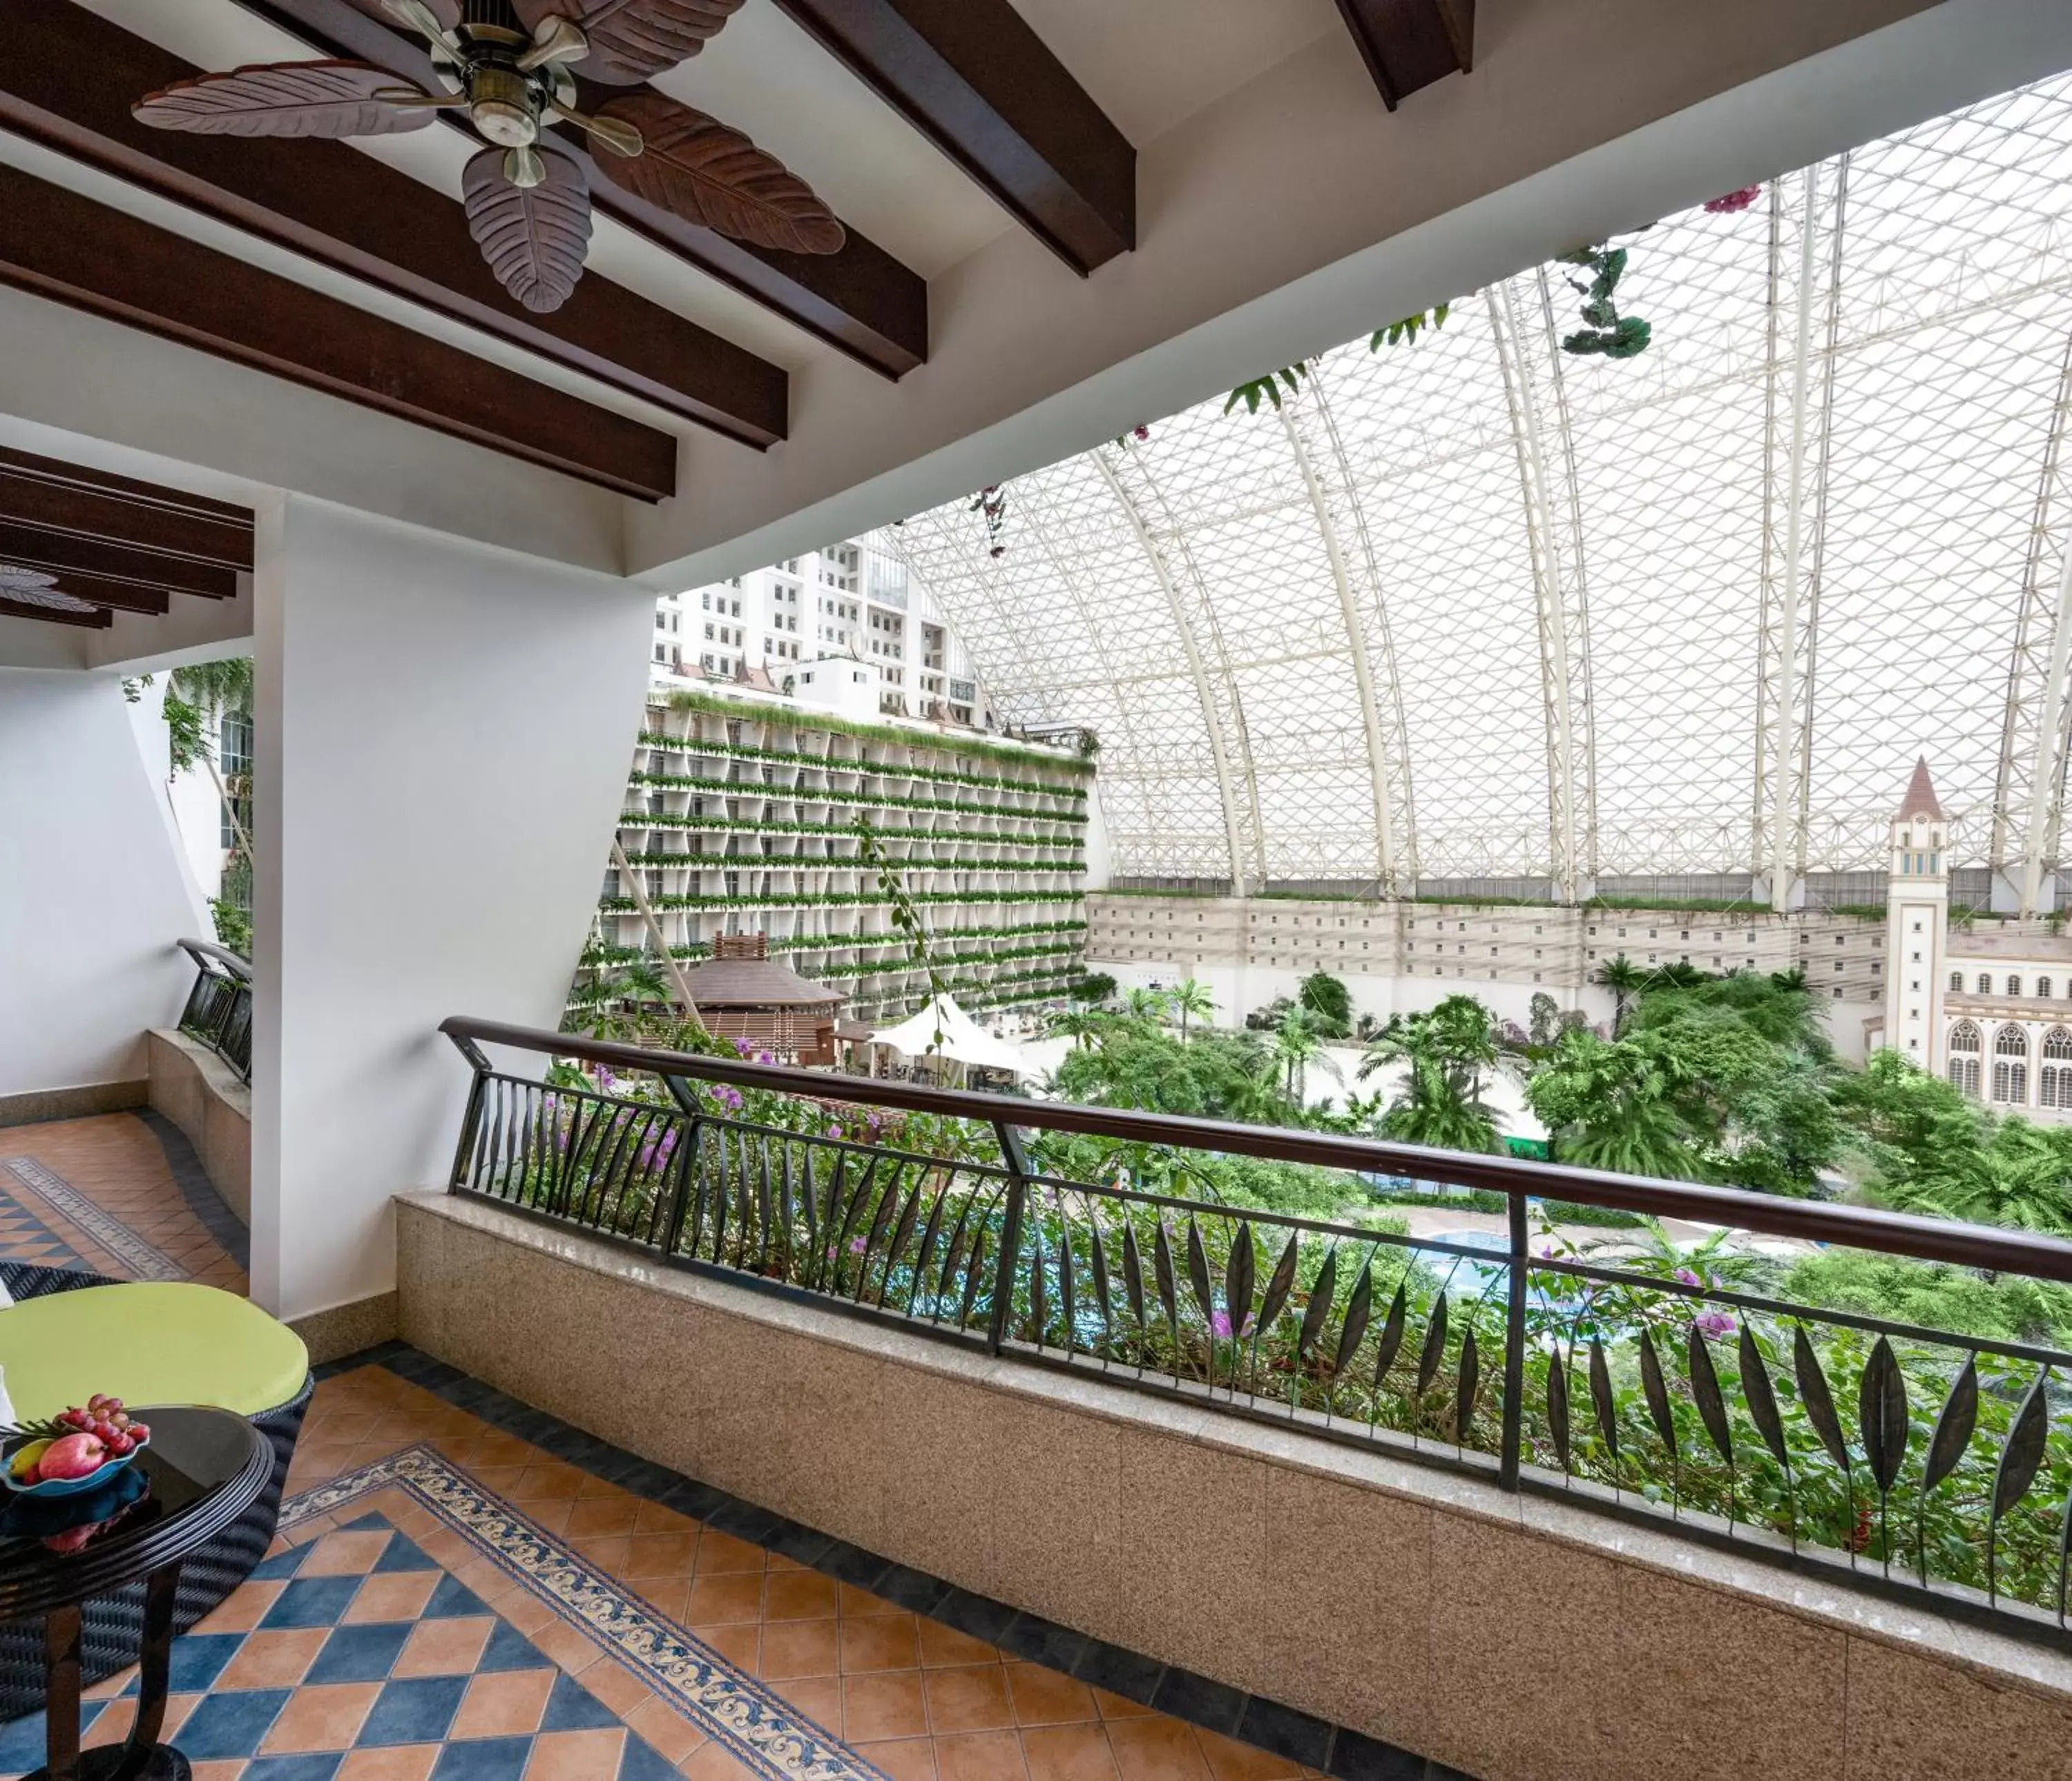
2023 1454
1283 1282
325 99
447 12
1705 1389
535 237
1881 1414
1954 1427
1655 1389
1760 1395
15 580
631 40
706 173
1814 1397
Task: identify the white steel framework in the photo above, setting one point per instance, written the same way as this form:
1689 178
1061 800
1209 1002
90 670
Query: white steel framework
1690 613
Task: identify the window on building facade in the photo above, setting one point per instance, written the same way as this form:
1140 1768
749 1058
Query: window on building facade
1985 985
2014 986
2043 988
2011 1066
1965 1048
2053 1082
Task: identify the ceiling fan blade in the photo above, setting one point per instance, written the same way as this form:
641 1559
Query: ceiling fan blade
708 173
631 40
534 237
17 583
327 99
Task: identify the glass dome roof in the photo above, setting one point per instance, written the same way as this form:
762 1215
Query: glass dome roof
1473 608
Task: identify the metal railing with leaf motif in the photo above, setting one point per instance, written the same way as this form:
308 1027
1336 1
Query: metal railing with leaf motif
1923 1461
219 1006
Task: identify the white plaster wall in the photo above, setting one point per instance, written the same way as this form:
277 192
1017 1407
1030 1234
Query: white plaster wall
443 733
92 894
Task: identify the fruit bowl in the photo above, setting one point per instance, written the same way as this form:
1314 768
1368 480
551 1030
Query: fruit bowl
68 1487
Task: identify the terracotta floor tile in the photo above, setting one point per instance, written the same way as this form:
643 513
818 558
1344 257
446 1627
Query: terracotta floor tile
444 1647
1114 1706
400 1762
326 1716
1068 1753
888 1704
1043 1696
113 1725
980 1756
942 1646
1157 1749
857 1603
818 1697
1229 1760
882 1642
714 1763
800 1647
729 1596
974 1699
653 1518
573 1650
245 1606
741 1646
673 1736
602 1515
576 1755
902 1759
503 1704
797 1595
721 1552
673 1552
274 1660
344 1554
616 1684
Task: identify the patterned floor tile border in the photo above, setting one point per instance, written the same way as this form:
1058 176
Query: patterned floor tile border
24 1236
733 1709
132 1254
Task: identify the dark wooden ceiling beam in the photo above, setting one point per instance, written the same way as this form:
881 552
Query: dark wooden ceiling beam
977 80
26 498
100 618
63 555
117 596
60 246
70 77
1407 44
860 301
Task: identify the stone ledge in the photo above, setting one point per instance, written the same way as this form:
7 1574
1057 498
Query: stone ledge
1385 1595
201 1095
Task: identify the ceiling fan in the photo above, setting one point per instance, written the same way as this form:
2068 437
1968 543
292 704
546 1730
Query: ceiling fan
506 64
33 587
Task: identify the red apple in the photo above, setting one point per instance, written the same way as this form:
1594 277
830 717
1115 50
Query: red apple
72 1456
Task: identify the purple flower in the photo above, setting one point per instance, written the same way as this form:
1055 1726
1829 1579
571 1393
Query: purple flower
1547 1252
743 1047
1716 1325
1219 1325
856 1246
1688 1277
605 1079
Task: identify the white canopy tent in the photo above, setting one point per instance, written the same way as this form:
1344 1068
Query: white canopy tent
962 1039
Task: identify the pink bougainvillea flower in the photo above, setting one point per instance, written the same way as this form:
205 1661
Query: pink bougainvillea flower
1688 1277
1715 1325
1729 203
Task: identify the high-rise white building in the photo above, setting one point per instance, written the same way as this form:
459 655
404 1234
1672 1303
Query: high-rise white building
850 601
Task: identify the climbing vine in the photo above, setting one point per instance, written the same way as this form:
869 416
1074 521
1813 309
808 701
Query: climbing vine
992 501
1410 327
1269 388
1605 330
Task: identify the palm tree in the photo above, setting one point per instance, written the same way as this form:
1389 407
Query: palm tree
1297 1047
1447 1048
1082 1025
1190 998
1625 979
1146 1006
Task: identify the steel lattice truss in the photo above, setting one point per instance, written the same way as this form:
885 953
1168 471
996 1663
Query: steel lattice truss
1474 606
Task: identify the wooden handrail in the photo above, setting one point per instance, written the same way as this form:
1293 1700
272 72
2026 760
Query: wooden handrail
1853 1227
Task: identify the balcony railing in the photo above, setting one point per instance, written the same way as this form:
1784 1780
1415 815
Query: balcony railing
218 1010
1918 1462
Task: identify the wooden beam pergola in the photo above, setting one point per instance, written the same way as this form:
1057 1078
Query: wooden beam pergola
70 76
1407 44
860 301
61 245
100 618
63 554
975 79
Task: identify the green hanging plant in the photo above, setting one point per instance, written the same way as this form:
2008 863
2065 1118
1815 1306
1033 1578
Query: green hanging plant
1410 327
1615 336
1269 388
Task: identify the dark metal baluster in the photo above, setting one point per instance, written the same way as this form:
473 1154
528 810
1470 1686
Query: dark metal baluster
1010 1235
1512 1442
687 1184
472 1117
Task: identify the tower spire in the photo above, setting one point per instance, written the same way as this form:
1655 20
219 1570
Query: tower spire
1921 800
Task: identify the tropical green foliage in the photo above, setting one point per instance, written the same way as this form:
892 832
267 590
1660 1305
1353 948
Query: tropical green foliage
1328 1003
1447 1049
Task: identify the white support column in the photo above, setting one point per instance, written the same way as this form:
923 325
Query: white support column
442 733
1522 320
2029 795
1368 642
1792 556
1236 783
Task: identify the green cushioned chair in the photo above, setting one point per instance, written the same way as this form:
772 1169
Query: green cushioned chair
71 1333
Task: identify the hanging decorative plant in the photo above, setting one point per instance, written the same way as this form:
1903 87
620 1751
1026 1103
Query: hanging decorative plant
992 501
1732 202
1139 435
1269 388
1410 327
1615 336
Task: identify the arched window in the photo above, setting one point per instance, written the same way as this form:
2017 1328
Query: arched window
1985 985
2054 1081
2014 985
2011 1066
1965 1048
1957 981
2043 989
